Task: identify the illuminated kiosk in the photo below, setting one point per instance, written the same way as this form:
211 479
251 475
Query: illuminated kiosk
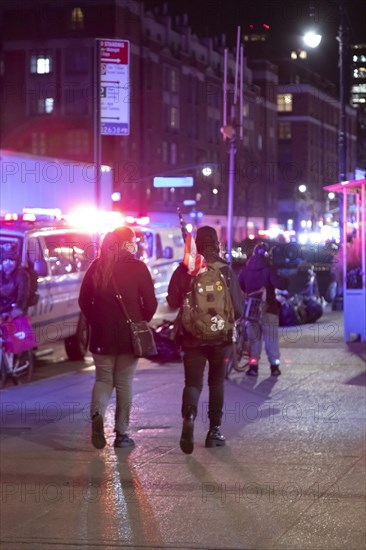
354 299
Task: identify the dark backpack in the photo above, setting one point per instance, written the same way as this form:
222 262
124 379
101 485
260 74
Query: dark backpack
208 312
33 286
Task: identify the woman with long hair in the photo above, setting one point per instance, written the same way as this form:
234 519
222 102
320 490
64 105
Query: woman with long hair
116 271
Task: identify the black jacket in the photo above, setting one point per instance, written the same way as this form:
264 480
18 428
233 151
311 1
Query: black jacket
14 290
179 285
109 330
258 272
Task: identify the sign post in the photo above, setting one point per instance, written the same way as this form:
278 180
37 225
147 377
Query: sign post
111 97
114 87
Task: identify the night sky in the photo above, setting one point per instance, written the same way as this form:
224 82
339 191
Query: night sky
287 19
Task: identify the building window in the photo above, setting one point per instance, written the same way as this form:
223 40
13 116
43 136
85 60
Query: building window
77 60
173 153
174 81
359 72
174 118
78 142
77 19
40 63
39 143
284 102
45 106
165 152
284 130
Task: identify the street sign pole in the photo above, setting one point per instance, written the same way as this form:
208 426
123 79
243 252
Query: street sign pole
97 135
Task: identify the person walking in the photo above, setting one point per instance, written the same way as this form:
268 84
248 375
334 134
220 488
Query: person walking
14 283
257 274
198 351
115 271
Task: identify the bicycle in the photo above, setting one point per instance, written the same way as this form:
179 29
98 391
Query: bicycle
19 366
238 359
240 355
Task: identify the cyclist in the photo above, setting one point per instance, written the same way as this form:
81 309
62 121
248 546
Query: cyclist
14 283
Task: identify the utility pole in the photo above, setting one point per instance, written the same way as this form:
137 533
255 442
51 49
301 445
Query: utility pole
229 133
342 137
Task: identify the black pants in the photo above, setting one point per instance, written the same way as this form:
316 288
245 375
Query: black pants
194 360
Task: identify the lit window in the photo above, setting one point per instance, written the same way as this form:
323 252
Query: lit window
359 73
48 104
77 18
45 105
40 64
174 119
284 102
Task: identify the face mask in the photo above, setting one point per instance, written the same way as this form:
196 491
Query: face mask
131 247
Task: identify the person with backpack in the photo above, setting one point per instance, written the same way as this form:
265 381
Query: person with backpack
210 300
258 279
15 283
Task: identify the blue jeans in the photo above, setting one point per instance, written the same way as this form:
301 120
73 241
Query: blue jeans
266 330
194 360
114 371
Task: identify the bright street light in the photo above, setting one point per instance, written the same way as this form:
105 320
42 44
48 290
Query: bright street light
312 39
207 171
302 188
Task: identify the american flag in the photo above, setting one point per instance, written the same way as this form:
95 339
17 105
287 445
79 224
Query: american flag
194 262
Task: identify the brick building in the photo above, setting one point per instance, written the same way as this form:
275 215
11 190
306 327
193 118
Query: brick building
176 107
308 133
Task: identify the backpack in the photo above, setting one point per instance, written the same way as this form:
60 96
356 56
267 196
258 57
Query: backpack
33 286
207 311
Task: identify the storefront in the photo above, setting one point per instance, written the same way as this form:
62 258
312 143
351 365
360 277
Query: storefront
353 260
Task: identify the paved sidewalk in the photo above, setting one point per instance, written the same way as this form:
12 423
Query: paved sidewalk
292 475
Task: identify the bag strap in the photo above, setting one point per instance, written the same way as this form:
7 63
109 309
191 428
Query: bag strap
120 300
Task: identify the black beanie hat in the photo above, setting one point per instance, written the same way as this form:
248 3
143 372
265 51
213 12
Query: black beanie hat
206 238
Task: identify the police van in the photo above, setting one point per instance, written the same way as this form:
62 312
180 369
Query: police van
161 247
60 255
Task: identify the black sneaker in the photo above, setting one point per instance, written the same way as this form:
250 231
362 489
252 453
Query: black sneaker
253 370
186 439
98 438
123 441
275 371
214 438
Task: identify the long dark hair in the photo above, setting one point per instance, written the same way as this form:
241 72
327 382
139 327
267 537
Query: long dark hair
113 247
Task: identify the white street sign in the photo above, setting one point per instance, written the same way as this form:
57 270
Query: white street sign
114 87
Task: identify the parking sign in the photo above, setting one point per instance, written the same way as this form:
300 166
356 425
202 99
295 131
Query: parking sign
114 87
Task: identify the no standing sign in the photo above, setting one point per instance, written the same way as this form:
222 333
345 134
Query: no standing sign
114 87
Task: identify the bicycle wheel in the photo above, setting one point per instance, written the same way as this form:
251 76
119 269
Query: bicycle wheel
3 371
23 366
241 355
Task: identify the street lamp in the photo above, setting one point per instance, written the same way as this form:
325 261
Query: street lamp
312 39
